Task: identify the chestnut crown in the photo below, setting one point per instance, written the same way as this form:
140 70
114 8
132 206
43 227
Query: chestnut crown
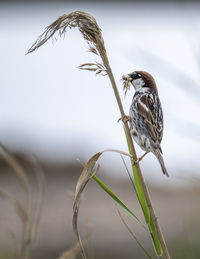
142 79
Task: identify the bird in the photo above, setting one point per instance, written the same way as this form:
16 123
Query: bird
145 114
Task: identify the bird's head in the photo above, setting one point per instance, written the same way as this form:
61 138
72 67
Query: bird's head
140 80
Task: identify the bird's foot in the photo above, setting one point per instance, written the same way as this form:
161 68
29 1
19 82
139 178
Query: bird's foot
125 118
140 158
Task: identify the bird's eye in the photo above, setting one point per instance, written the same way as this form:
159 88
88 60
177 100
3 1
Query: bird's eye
139 75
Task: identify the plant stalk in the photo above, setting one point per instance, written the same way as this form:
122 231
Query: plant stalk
144 186
92 34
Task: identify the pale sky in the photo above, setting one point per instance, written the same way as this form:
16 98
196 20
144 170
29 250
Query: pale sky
52 109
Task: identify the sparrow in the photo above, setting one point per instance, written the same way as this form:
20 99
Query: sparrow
145 114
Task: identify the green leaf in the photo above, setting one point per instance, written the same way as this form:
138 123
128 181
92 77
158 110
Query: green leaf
134 236
139 189
144 206
112 195
155 239
130 177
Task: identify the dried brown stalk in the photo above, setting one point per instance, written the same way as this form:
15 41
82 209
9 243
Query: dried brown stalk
91 32
29 211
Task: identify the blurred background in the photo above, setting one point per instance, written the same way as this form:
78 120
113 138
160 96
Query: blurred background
63 115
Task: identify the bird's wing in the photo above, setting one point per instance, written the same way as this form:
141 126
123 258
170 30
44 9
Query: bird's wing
150 109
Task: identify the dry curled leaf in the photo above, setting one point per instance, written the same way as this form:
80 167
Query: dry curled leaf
85 176
71 253
81 183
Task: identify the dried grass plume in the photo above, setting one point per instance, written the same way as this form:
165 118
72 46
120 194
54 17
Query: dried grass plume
126 83
86 24
90 31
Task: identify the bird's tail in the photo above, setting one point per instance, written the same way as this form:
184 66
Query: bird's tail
161 161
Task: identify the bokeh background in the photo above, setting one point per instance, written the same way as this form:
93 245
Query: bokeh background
63 116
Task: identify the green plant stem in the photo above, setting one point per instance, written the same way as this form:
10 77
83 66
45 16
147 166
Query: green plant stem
144 186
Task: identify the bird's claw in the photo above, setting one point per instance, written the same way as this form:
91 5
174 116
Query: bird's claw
140 158
125 119
136 162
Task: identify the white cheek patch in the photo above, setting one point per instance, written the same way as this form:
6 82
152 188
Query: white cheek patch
138 83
